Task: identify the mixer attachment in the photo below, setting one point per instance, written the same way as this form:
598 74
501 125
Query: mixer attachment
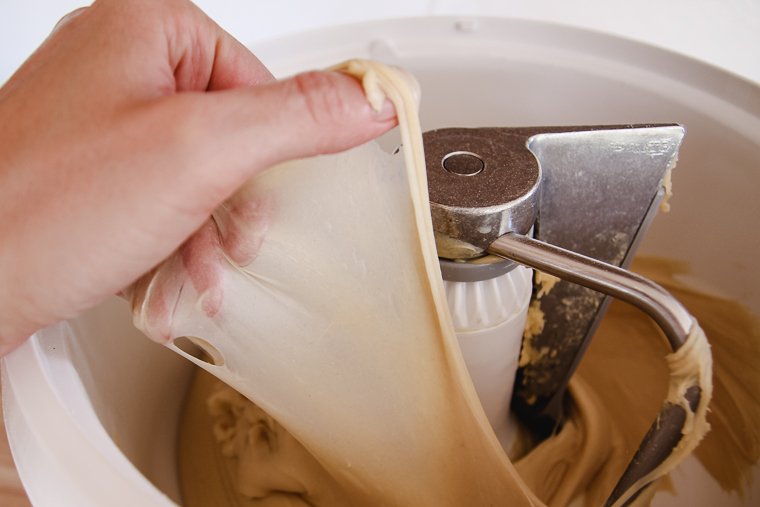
587 195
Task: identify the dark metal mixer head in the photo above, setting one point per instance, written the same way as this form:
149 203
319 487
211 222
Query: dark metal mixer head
588 194
590 182
486 186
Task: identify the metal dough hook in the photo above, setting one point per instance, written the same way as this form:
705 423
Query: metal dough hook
588 194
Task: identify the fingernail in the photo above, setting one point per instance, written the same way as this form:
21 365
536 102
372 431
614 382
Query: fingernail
387 112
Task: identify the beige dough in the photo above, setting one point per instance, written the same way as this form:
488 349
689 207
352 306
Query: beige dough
535 321
613 406
342 334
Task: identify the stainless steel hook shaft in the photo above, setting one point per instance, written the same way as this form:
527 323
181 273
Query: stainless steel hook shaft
655 301
665 310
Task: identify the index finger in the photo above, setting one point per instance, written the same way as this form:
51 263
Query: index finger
204 57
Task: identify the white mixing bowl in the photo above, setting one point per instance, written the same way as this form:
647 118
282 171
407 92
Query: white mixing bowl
92 406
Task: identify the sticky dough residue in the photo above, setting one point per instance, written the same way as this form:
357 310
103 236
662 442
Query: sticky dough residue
667 186
732 447
371 384
534 323
545 283
690 366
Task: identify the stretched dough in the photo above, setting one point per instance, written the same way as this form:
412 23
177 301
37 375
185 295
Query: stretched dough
339 330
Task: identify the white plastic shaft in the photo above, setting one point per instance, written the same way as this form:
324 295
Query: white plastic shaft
489 318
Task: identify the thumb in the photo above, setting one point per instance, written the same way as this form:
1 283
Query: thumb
320 112
242 131
313 113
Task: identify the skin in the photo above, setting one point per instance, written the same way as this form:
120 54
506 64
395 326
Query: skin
120 136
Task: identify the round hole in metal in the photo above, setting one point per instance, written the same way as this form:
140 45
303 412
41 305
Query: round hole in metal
463 163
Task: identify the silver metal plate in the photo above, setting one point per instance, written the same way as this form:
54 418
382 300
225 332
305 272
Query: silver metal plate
593 190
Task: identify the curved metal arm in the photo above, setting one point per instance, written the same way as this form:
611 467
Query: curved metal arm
665 310
641 292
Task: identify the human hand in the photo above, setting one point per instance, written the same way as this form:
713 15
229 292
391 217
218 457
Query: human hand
119 136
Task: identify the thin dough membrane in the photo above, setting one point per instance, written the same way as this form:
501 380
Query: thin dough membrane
339 333
336 331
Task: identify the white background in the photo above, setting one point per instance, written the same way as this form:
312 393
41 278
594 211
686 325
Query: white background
725 33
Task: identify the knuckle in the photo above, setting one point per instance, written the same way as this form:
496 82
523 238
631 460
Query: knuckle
243 222
68 18
319 94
